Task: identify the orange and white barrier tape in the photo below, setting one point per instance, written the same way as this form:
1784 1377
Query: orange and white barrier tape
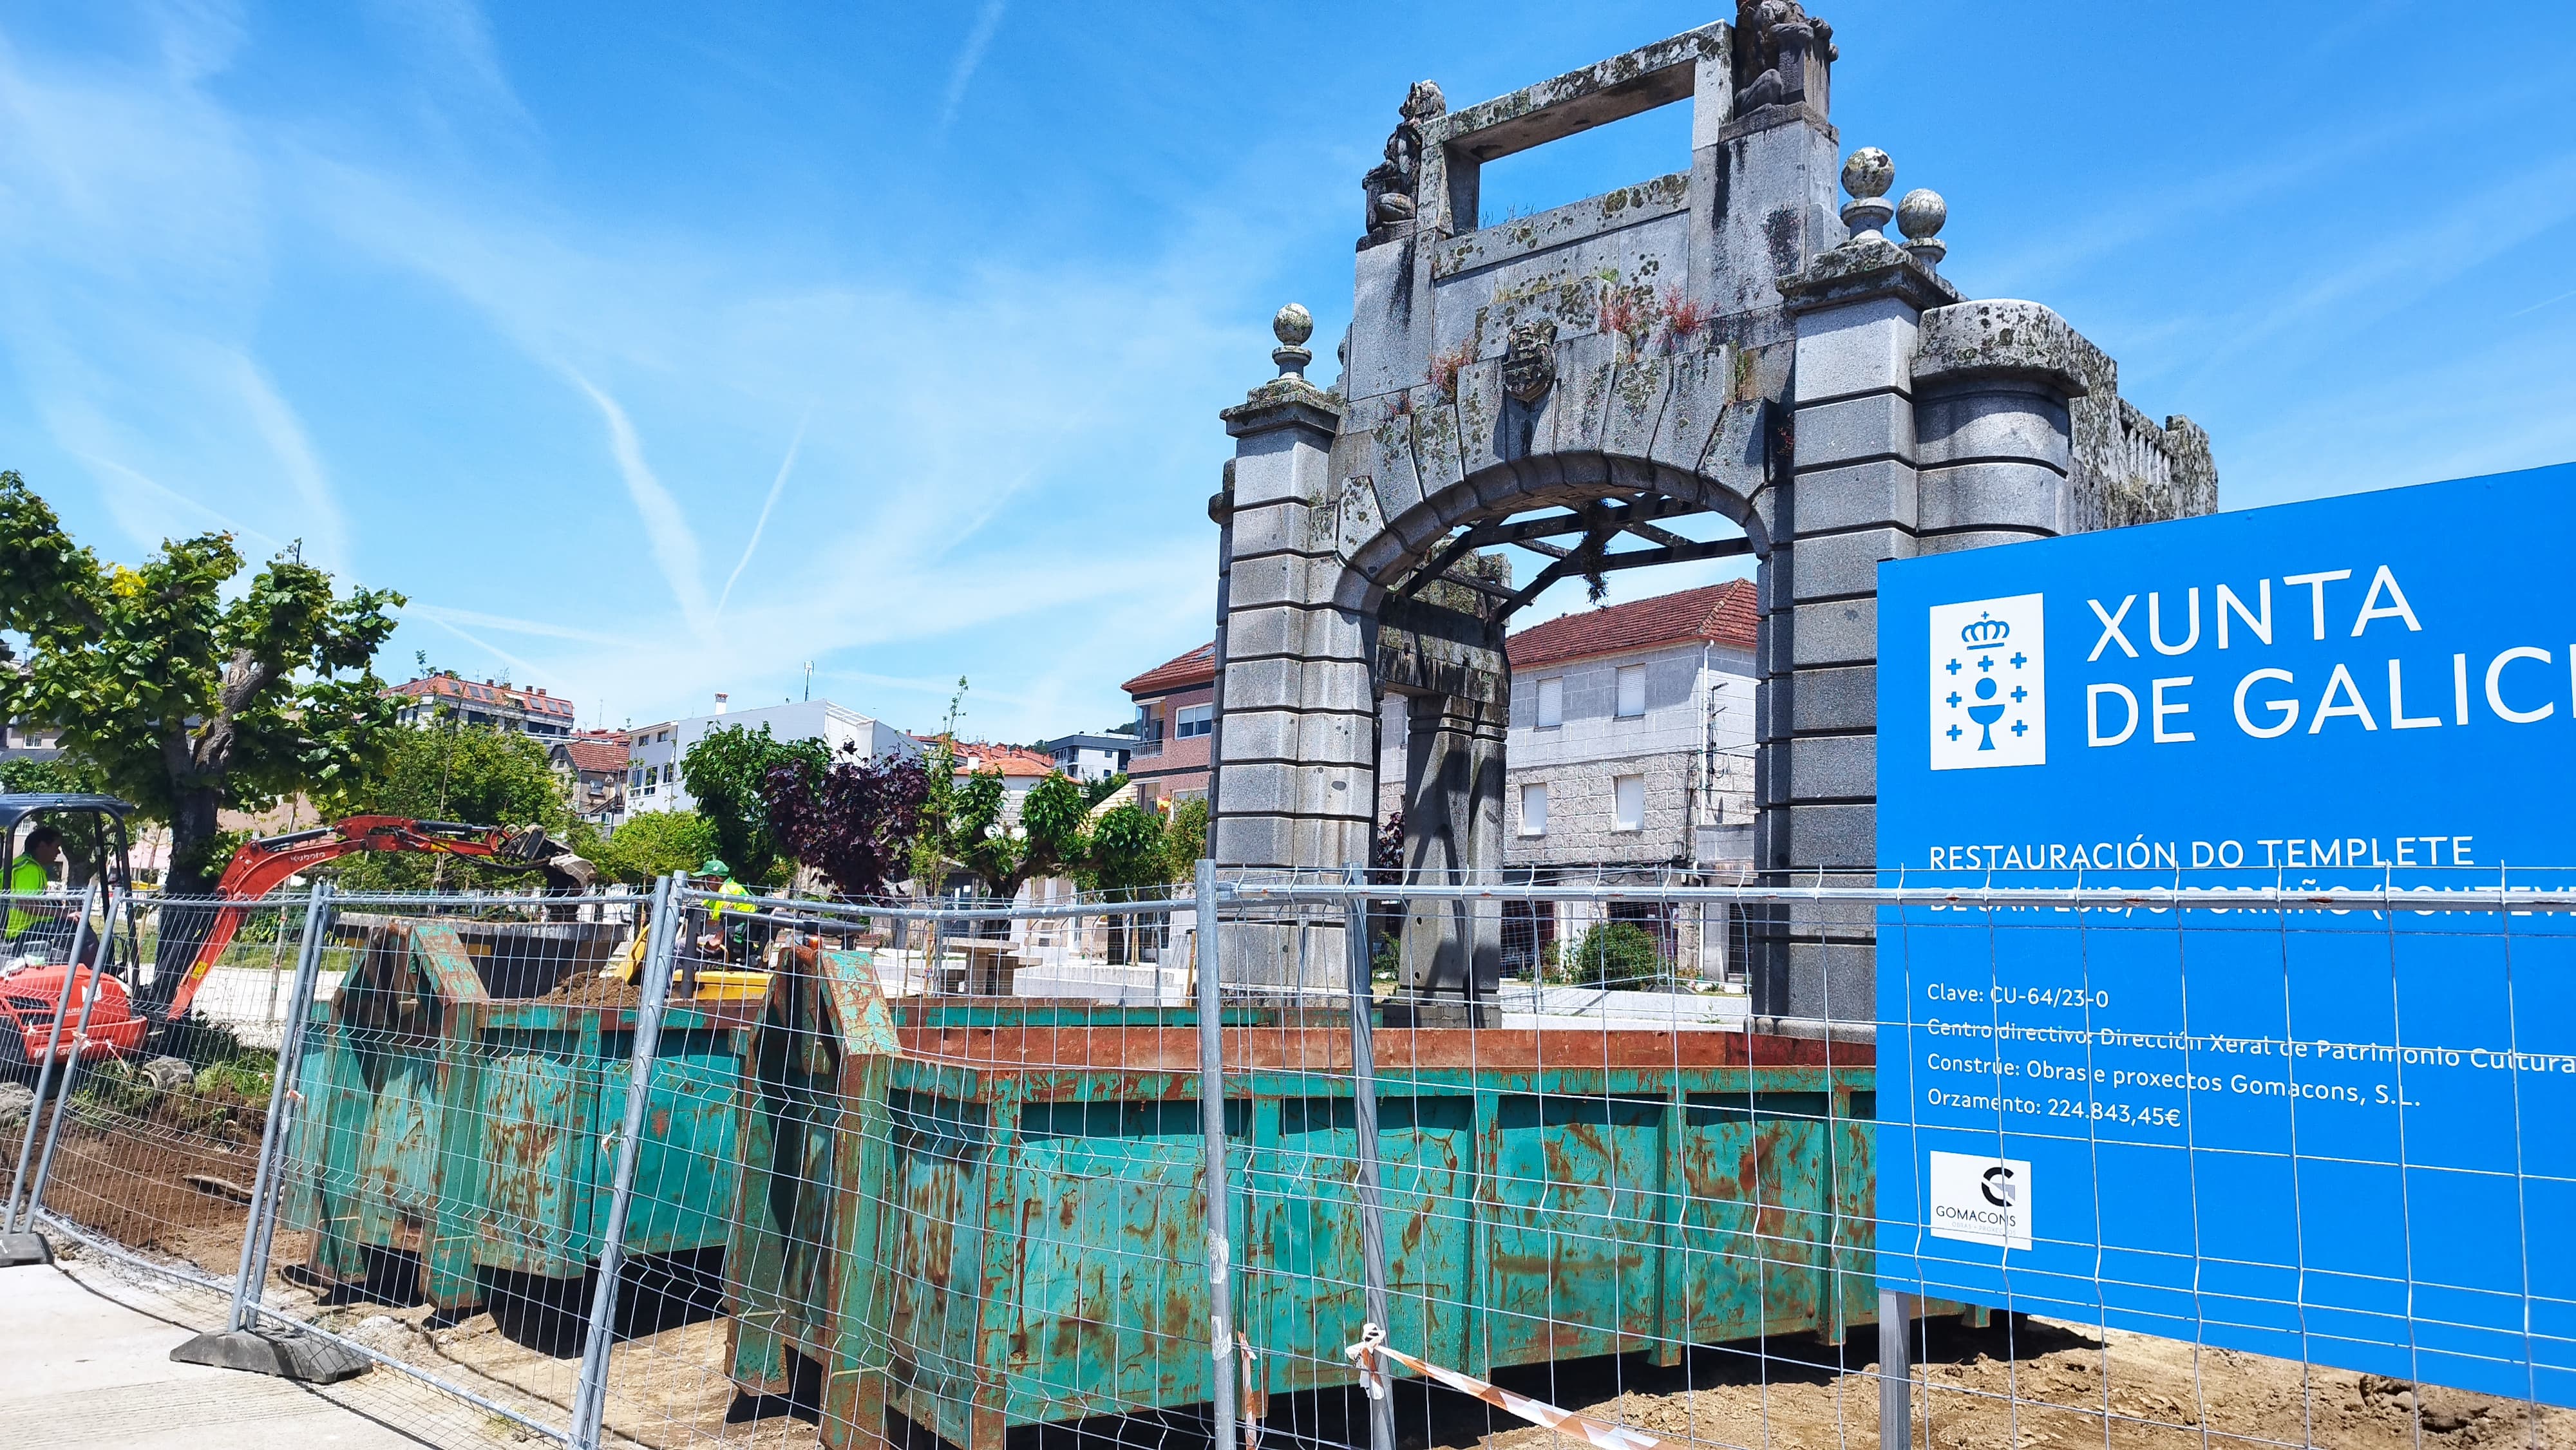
1372 1343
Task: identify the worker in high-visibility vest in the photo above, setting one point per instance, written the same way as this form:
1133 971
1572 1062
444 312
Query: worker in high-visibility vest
29 875
736 941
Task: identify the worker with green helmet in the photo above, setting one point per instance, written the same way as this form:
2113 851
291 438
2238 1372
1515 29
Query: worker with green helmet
736 938
30 875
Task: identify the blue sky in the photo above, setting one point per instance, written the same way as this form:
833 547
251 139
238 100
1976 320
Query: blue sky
656 350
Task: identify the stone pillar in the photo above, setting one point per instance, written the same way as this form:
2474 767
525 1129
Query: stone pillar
1852 500
1993 385
1453 832
1295 729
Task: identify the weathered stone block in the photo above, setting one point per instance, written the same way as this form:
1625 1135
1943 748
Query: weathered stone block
1275 579
1834 699
1841 633
1880 492
1253 841
1972 495
1437 441
1832 835
1952 543
1638 396
1586 367
1833 767
1862 347
1836 566
1335 685
1268 788
1284 527
1279 465
2012 421
1855 430
1972 342
1390 321
1337 738
1259 735
1835 982
1264 684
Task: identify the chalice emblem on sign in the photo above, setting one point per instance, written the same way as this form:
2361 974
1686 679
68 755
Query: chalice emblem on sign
1988 669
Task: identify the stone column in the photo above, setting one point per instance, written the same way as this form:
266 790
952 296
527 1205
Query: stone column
1295 728
1850 502
1453 832
1993 385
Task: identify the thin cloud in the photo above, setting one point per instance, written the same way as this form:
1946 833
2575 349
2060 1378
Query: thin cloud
978 40
442 614
675 547
278 426
777 486
2536 306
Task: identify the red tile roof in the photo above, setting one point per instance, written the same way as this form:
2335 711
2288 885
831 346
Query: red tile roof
1722 612
976 756
597 757
533 702
1198 667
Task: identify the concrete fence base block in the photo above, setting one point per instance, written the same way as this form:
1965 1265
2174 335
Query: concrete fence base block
19 1249
285 1353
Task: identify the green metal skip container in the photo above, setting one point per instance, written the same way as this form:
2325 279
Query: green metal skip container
475 1134
998 1208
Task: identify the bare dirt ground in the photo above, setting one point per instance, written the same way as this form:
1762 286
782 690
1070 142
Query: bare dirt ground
2023 1384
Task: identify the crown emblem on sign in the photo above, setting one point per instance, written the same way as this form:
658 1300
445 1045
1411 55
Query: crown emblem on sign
1985 630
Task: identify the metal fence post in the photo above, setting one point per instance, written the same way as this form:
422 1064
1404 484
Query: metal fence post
1211 1001
80 1030
590 1394
10 1221
249 1281
1381 1402
1895 1374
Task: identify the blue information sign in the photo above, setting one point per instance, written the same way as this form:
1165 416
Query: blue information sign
2343 1136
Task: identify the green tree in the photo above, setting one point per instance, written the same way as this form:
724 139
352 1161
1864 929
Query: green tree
1126 852
724 773
447 772
650 844
1184 838
182 690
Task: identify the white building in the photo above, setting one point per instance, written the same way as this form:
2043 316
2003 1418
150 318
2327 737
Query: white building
1629 758
654 752
1090 757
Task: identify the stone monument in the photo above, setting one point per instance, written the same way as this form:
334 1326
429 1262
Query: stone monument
1723 339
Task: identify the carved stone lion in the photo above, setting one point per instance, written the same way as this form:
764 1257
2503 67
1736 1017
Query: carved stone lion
1391 183
1780 54
1529 360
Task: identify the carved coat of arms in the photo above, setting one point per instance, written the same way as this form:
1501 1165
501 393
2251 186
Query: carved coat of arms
1529 360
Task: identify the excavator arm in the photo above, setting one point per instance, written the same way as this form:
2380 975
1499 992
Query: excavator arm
261 865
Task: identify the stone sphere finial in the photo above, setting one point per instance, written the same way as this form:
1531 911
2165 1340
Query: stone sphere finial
1292 326
1867 176
1921 216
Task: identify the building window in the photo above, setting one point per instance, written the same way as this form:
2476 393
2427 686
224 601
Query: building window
1534 809
635 777
1551 703
1193 720
1632 691
1628 803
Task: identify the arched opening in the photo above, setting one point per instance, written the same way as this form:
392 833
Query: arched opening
1438 615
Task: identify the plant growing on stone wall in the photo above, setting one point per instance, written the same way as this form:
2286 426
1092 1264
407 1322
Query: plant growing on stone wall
1683 320
1629 312
1445 367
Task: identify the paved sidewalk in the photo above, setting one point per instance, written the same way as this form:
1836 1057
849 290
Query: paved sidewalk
79 1368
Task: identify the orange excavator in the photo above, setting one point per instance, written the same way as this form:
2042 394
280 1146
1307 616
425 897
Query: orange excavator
35 959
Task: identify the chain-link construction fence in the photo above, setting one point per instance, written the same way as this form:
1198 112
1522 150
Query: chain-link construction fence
1501 1164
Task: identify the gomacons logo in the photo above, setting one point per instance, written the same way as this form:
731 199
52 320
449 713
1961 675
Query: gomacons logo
1978 1200
1529 360
1989 669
